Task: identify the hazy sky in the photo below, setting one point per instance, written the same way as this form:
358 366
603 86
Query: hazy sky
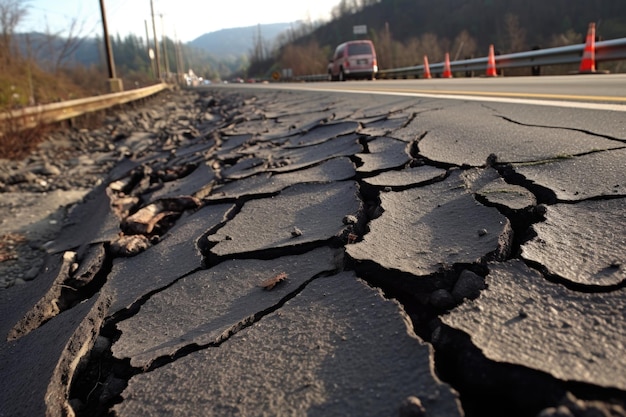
187 19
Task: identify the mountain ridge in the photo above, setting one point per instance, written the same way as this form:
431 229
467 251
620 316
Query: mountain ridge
235 42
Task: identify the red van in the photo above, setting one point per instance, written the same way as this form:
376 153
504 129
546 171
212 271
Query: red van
354 59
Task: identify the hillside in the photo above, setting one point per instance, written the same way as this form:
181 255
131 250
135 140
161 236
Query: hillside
232 43
225 51
485 20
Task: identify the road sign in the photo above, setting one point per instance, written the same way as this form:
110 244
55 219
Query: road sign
360 29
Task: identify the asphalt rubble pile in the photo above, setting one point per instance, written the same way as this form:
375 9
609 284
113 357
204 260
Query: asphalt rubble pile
219 252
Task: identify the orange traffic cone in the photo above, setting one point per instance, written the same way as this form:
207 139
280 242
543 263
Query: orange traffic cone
491 63
588 64
447 73
426 68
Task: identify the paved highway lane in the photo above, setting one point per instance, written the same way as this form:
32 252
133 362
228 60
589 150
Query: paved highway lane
609 88
605 92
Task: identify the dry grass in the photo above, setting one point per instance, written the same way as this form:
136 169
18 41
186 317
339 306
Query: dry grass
23 84
18 143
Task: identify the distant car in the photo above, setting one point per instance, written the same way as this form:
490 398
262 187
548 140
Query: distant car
353 59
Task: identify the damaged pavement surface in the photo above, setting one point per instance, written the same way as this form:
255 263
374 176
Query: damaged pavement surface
264 252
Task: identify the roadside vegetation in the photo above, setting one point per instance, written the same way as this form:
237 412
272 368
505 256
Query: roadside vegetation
406 30
45 67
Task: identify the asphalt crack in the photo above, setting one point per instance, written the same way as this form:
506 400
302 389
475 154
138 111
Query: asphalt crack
78 279
487 387
101 381
587 132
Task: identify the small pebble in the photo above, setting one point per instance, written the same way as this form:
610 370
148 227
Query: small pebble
442 299
350 219
469 285
31 273
412 407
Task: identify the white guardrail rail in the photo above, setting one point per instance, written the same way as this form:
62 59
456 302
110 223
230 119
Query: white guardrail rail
29 117
611 50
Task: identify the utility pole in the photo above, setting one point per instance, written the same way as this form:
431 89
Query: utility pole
115 84
156 43
164 42
179 61
149 50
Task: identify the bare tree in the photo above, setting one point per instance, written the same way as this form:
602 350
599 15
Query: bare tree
304 59
71 42
515 34
431 47
61 45
11 13
258 49
344 8
463 46
384 47
394 54
568 38
411 53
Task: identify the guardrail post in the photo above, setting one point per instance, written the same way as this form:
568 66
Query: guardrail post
535 70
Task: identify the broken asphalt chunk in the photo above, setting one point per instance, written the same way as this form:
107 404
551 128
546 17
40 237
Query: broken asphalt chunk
315 356
244 167
385 153
489 185
582 243
176 255
580 177
147 218
207 306
228 143
126 246
322 133
266 224
406 177
336 169
485 132
41 364
298 158
91 221
521 318
385 126
202 177
75 281
426 229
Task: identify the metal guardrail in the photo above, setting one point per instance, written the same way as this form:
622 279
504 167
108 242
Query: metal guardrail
611 50
55 112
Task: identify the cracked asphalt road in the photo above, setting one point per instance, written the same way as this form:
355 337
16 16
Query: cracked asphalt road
296 253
